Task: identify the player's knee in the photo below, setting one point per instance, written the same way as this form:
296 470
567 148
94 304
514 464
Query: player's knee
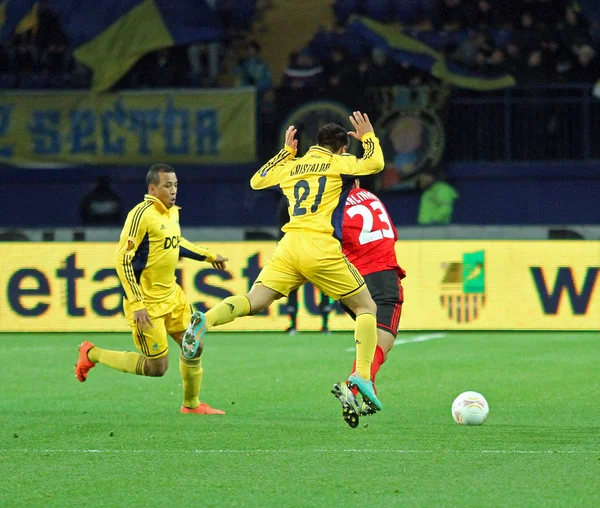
156 368
371 306
361 303
261 298
385 341
257 305
386 349
366 306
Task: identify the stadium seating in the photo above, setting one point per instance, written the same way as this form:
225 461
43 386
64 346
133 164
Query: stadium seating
33 81
403 11
8 80
380 10
237 14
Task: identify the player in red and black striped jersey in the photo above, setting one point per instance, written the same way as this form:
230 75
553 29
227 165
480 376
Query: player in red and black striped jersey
368 241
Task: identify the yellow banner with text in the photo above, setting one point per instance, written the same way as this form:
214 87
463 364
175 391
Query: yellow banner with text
129 128
464 285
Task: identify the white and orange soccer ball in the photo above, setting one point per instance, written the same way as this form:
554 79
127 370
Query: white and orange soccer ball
470 408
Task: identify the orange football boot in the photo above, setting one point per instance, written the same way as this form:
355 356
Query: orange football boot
83 365
202 409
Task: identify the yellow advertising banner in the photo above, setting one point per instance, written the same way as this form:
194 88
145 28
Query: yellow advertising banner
129 128
450 285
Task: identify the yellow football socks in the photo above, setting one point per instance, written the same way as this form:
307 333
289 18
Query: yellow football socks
125 361
365 335
226 311
191 374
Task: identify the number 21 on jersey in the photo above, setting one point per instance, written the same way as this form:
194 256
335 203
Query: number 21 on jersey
302 191
367 233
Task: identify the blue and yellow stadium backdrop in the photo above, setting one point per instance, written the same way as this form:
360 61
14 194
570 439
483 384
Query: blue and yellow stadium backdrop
128 128
479 285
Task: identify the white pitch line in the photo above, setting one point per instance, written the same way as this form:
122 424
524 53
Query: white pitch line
318 450
409 340
420 338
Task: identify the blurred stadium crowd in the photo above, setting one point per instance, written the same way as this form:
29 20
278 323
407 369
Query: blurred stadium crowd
536 41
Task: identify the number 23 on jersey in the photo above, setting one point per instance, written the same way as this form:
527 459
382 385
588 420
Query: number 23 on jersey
368 213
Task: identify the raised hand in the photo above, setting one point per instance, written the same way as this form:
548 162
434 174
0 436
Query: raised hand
361 123
290 135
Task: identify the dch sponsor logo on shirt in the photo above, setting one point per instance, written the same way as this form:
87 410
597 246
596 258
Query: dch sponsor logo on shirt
171 242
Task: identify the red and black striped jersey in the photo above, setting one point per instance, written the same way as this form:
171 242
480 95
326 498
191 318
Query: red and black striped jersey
369 236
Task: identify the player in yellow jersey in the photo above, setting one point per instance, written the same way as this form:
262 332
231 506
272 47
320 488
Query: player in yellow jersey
316 186
154 304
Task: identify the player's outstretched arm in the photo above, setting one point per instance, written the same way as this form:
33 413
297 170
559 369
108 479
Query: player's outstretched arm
266 176
372 161
190 250
220 263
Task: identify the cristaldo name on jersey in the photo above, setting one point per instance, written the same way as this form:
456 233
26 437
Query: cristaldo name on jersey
301 169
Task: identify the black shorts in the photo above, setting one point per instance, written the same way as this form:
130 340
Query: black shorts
387 292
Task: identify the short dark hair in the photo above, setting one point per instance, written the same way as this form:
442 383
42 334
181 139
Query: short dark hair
333 136
254 45
152 177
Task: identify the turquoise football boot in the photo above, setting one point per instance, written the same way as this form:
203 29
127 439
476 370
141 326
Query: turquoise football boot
365 387
192 339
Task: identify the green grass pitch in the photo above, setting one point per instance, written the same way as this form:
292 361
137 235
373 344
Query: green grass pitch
119 440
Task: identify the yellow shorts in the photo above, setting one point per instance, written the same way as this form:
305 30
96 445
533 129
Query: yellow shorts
169 316
317 258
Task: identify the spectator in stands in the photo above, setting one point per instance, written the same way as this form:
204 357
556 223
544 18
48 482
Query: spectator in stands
5 58
337 68
412 76
25 56
237 16
54 59
526 33
588 65
450 15
360 73
437 200
384 71
548 12
496 63
463 52
536 70
485 48
164 70
514 58
482 15
574 29
102 206
50 31
252 70
302 72
198 63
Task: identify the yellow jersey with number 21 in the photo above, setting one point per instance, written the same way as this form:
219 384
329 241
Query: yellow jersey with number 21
317 184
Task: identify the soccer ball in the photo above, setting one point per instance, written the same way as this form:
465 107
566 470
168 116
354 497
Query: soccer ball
470 408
